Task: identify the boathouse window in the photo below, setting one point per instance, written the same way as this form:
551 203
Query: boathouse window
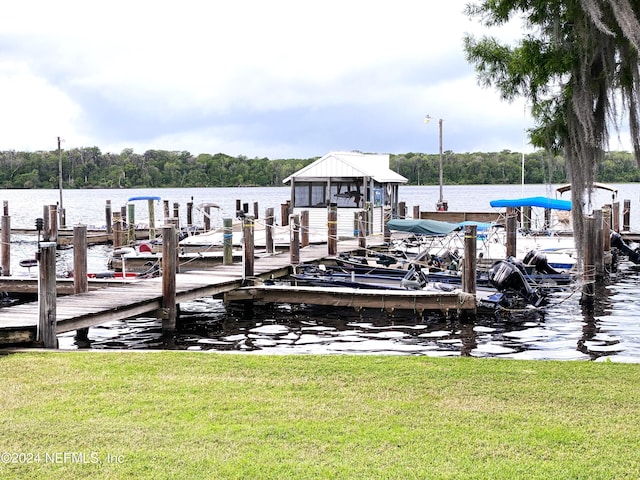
347 194
310 194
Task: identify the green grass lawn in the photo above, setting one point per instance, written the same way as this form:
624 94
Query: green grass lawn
125 415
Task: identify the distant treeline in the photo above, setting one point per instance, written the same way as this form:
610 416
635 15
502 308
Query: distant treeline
90 168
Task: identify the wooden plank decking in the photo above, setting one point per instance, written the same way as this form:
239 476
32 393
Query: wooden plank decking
117 301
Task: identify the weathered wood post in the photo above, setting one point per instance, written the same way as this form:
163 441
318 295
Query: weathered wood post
368 218
547 218
386 217
190 213
526 217
80 277
46 227
332 230
268 227
107 217
470 261
416 212
304 227
588 264
402 209
606 237
123 217
248 259
152 219
512 229
117 230
626 216
615 217
131 231
285 209
207 218
169 266
227 241
294 249
598 247
255 210
47 295
6 240
53 223
165 208
362 237
176 213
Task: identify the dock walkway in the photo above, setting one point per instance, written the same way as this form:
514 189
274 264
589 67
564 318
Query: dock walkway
130 298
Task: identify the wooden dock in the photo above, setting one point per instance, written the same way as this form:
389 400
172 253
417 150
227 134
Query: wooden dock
109 300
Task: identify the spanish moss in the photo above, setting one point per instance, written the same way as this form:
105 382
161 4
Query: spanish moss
578 66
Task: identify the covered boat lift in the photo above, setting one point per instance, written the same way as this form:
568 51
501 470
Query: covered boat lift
353 182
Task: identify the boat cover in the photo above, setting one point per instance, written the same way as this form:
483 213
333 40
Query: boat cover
144 197
544 202
431 227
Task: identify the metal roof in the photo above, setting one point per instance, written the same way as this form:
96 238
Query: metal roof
348 165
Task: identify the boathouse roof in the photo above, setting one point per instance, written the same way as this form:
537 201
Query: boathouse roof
349 165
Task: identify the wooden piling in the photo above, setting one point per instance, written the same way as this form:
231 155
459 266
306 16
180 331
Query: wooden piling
248 251
626 216
386 217
107 217
402 209
588 267
469 265
80 277
169 266
332 230
227 241
47 295
176 213
304 227
615 216
526 217
606 231
598 247
284 212
255 210
362 237
165 209
46 228
190 213
294 249
416 212
207 218
53 223
152 219
512 229
269 221
117 230
131 231
5 250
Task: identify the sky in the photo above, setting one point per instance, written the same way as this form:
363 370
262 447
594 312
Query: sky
257 78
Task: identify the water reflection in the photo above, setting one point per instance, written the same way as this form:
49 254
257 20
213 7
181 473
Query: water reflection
564 330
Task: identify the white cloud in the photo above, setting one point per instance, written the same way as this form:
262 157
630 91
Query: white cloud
280 79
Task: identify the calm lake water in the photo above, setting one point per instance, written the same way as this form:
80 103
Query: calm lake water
562 330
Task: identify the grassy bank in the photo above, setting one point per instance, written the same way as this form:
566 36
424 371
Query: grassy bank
198 415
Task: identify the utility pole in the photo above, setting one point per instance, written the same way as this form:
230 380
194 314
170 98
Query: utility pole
60 208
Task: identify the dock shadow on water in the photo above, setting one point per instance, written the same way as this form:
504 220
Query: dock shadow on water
563 330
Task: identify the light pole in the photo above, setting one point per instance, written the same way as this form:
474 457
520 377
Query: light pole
61 209
442 205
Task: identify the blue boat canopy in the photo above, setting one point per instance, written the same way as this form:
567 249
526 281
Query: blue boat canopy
544 202
144 197
434 228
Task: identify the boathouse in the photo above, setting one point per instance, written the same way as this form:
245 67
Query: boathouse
352 181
